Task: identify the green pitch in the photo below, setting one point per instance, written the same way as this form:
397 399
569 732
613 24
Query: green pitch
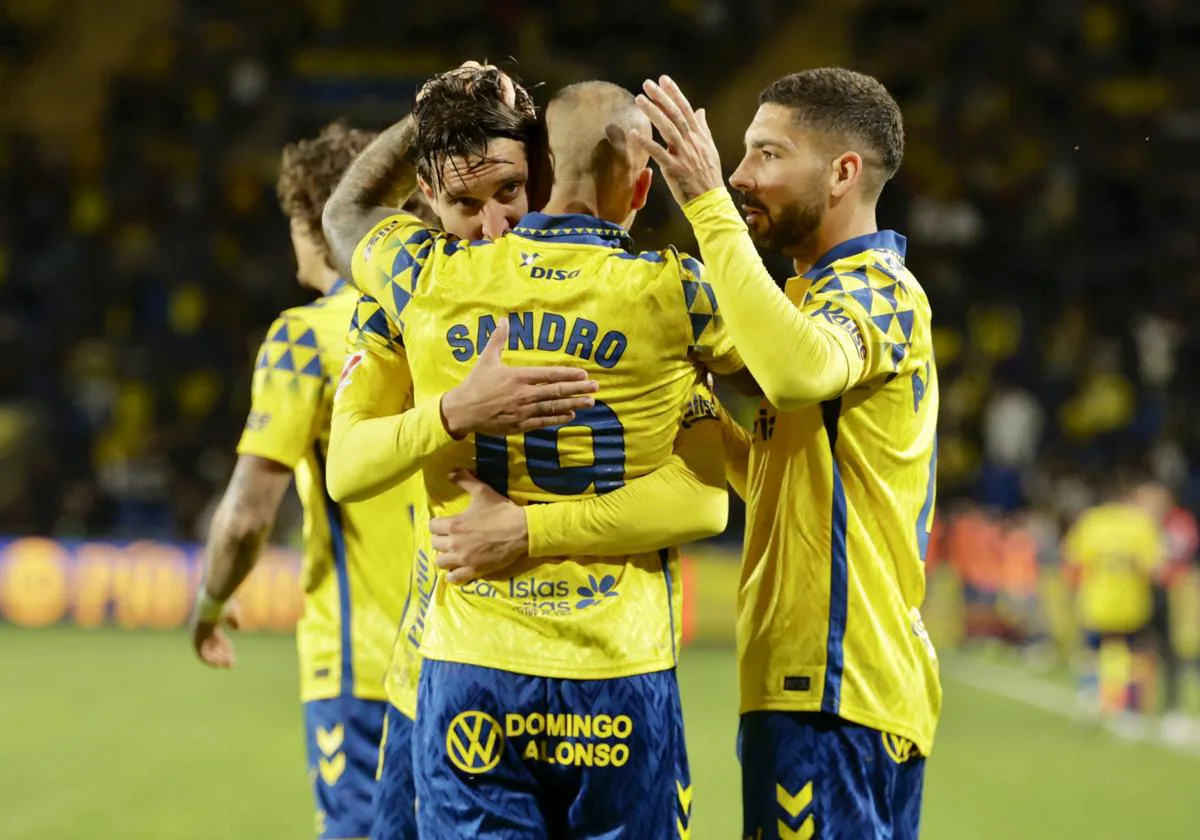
117 735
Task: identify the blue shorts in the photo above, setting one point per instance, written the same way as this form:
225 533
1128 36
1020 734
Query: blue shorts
1138 639
342 740
807 774
504 755
395 796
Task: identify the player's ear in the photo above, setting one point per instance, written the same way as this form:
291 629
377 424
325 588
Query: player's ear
846 169
641 188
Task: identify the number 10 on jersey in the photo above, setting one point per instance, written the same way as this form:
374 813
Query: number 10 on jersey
543 461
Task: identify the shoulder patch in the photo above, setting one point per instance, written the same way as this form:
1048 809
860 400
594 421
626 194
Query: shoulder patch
352 362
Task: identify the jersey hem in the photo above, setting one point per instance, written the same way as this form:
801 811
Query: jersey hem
774 704
336 692
633 669
405 709
269 454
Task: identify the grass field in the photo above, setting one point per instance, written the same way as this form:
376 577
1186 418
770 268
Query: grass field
119 735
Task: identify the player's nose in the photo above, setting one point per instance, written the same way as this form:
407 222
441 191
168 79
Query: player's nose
495 221
740 180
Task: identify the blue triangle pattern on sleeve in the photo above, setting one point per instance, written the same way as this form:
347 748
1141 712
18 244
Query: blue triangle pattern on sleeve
285 361
402 263
699 325
377 324
400 298
863 296
313 368
690 289
281 334
888 293
309 339
884 322
833 284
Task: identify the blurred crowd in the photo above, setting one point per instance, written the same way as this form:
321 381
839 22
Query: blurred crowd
1046 194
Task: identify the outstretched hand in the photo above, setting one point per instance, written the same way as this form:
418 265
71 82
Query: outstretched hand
689 161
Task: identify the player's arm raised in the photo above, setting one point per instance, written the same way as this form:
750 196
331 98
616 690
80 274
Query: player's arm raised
359 202
797 360
682 501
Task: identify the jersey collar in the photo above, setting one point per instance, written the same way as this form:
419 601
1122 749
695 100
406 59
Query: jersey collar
337 286
575 229
882 240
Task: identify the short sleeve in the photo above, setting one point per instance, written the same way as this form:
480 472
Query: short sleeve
287 394
710 341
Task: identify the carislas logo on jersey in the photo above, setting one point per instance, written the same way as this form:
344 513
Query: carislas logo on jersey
534 595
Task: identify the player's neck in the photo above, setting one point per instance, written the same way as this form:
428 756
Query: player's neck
577 197
325 281
833 232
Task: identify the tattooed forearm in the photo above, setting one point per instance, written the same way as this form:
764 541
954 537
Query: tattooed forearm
242 523
382 170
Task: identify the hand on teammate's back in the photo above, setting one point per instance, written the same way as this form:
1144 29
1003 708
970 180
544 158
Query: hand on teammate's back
497 399
490 535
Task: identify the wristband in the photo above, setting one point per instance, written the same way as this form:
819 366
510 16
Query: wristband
208 608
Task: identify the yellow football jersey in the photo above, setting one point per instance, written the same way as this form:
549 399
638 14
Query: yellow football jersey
572 294
356 556
377 377
1117 548
377 385
840 495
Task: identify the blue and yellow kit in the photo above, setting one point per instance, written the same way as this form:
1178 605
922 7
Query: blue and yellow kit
572 295
840 495
356 556
585 641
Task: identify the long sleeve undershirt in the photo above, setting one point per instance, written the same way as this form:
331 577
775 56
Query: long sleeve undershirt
798 360
682 501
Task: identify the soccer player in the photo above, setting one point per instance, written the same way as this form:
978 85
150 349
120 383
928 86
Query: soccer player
548 702
377 440
353 593
839 682
1113 552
